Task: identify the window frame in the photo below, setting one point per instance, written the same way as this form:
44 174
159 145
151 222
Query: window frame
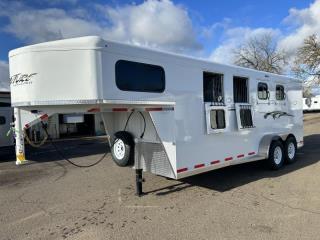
268 92
283 93
163 76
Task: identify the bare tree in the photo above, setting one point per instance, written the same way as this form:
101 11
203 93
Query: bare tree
261 53
307 62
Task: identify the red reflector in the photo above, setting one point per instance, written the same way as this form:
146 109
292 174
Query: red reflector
199 165
119 109
182 170
251 153
26 126
215 162
240 156
94 110
228 159
43 117
153 109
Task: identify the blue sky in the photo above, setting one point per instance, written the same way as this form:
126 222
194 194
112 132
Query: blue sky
207 29
245 13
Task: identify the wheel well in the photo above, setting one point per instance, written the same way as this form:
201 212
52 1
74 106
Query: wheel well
267 140
126 134
291 135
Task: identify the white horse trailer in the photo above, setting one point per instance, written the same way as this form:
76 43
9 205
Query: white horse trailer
171 115
311 104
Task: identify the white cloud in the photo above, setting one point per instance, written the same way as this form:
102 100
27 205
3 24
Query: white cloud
153 23
4 77
156 23
306 22
233 37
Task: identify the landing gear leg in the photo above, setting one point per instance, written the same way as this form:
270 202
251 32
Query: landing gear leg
139 181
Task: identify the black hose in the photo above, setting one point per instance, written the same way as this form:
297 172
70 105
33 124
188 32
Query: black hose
67 159
104 155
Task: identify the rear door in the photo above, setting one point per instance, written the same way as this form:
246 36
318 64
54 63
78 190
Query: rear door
5 119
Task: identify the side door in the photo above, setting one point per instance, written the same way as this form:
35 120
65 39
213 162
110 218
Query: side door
5 120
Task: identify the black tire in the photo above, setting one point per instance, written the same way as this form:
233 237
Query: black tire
272 161
122 149
290 154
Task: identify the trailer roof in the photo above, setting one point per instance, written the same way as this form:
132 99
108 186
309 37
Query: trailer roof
96 42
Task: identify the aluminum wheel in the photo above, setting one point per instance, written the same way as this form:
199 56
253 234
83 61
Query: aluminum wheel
291 150
119 149
277 155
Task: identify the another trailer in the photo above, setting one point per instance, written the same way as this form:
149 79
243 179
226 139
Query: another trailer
171 115
6 116
311 104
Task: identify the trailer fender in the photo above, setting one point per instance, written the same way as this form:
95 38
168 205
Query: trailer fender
265 143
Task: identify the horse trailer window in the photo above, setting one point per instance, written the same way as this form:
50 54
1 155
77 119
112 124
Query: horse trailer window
213 88
2 120
139 77
280 95
263 92
240 90
217 119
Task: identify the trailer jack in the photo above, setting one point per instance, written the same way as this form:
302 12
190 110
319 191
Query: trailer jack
139 181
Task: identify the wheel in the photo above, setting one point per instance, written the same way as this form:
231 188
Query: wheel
276 155
290 149
122 149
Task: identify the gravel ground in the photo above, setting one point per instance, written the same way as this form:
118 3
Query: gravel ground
51 199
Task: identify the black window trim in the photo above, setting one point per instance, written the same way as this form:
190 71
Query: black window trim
284 95
143 63
268 95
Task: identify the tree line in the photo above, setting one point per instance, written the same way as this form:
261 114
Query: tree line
262 53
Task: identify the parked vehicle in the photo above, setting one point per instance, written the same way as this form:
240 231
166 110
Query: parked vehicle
168 114
311 104
6 115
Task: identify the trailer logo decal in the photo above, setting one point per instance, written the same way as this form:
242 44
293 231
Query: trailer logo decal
277 114
22 79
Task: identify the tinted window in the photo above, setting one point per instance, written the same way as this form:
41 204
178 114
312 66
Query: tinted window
280 95
240 90
139 77
2 120
4 104
217 119
263 92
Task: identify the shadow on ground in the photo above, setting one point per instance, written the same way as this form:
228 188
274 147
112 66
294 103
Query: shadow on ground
71 148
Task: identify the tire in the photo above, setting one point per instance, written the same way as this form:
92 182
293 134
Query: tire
122 149
276 155
290 150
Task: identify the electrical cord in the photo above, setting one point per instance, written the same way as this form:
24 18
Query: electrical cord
67 159
144 121
104 155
